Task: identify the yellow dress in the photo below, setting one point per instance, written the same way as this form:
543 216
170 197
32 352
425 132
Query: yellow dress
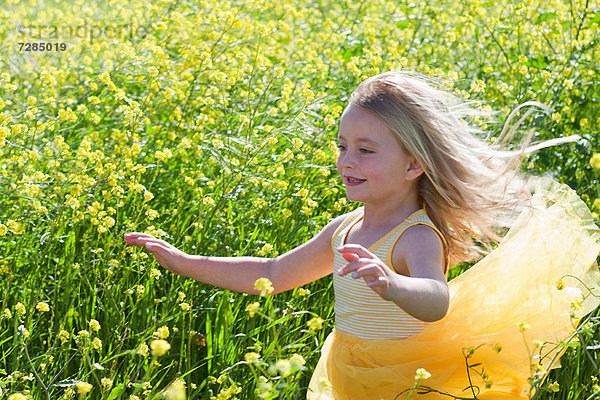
507 313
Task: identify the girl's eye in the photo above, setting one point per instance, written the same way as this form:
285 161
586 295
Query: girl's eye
341 148
366 151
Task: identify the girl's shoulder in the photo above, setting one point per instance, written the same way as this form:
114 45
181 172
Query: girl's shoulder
419 251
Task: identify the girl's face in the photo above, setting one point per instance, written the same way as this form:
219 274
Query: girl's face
373 166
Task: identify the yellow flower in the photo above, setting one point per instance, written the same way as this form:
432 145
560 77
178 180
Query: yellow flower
264 286
284 367
251 357
104 77
264 387
162 332
15 227
63 336
83 388
184 306
560 284
297 361
303 292
17 396
143 350
302 192
497 347
106 383
595 161
523 326
155 273
42 306
95 325
148 195
180 296
83 334
97 344
252 308
159 347
554 387
176 391
422 373
315 323
20 308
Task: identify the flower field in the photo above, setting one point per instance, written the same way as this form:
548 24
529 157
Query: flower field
212 124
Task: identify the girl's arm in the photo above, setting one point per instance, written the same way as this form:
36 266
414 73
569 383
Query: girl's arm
424 294
304 264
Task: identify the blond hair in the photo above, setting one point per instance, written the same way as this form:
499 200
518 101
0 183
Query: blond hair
469 188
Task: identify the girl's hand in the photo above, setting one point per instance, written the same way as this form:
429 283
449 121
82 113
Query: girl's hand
366 265
166 255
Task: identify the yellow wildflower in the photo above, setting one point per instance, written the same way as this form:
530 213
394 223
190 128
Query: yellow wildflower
523 326
42 306
315 323
422 373
251 357
15 227
95 325
162 332
6 314
20 308
83 388
252 308
97 343
284 367
63 336
155 273
175 391
18 396
264 286
143 349
595 161
159 347
554 387
106 383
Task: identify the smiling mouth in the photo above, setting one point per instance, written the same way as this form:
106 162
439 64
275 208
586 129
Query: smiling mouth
354 180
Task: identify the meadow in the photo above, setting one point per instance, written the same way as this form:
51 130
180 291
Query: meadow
212 124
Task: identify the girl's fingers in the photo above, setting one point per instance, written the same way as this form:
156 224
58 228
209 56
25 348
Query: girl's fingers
350 257
357 249
357 266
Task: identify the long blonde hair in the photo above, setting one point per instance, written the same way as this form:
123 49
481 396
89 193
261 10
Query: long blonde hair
469 188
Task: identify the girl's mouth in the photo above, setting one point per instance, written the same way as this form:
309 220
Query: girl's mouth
354 181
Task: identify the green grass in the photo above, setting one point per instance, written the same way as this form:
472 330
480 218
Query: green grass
245 97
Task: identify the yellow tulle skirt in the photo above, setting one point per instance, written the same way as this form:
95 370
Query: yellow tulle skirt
507 313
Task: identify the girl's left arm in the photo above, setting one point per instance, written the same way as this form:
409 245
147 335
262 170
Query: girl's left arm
424 294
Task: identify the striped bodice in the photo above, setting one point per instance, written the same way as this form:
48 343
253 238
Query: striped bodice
359 311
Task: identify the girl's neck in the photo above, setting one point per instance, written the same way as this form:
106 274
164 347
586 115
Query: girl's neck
377 216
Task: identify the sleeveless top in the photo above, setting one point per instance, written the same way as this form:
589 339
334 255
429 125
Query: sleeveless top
361 312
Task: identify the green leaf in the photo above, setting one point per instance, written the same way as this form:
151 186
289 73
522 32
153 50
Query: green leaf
114 394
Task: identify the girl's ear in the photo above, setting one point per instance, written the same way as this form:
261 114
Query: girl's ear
414 170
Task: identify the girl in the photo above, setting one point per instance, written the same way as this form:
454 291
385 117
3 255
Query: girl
429 187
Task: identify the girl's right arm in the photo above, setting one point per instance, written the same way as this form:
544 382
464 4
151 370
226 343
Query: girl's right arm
304 264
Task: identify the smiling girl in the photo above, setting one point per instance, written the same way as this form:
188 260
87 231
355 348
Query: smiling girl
430 189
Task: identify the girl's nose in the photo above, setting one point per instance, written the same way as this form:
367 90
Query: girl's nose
346 160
